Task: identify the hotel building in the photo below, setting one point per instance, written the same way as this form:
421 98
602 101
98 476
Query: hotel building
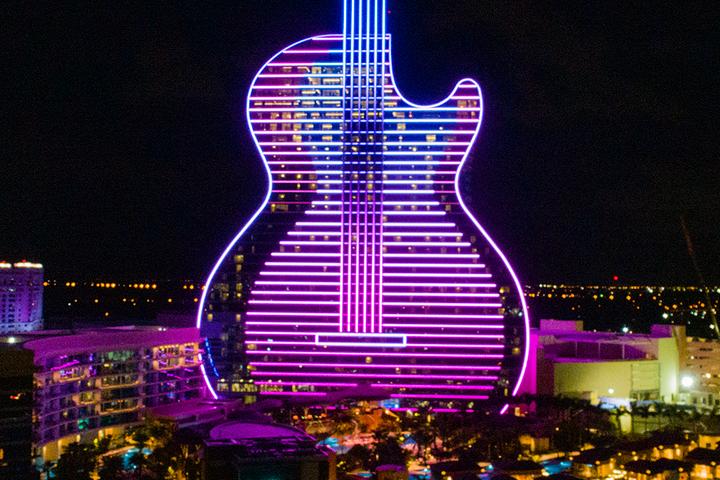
93 383
606 367
21 297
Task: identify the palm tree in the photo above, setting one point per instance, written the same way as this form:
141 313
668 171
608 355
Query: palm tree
112 468
77 462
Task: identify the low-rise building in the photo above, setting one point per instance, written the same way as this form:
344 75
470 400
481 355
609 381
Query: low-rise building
260 451
94 383
605 367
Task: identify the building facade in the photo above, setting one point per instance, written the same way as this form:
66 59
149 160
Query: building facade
95 383
606 367
21 297
702 372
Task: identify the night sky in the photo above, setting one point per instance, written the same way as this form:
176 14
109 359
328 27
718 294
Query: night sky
125 150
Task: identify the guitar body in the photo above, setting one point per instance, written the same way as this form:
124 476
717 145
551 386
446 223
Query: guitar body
363 270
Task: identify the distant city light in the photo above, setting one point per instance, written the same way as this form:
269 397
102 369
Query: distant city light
12 340
687 381
625 329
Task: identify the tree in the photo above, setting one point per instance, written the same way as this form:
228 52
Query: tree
356 458
77 462
112 468
387 451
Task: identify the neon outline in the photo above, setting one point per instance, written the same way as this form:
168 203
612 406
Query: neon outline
461 84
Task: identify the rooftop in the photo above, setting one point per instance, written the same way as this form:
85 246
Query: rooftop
50 343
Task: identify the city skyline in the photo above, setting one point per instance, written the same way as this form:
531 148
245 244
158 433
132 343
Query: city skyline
146 166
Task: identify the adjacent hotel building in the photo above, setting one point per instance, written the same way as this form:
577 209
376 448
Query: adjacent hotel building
59 387
664 365
21 297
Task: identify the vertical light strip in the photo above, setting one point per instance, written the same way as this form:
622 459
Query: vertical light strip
385 47
357 189
347 165
367 157
341 309
374 178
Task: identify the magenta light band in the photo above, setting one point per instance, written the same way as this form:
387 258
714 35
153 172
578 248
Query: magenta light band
391 243
378 354
314 234
444 346
430 385
431 213
448 316
318 224
436 275
282 292
372 375
283 314
391 191
292 322
269 86
309 242
439 396
442 294
295 394
306 384
372 365
206 379
419 224
443 304
293 302
431 255
408 335
435 265
328 121
338 132
304 254
422 234
301 274
431 326
286 99
301 264
310 284
417 172
451 285
418 203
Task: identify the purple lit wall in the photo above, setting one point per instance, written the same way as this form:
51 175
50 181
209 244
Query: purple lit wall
383 279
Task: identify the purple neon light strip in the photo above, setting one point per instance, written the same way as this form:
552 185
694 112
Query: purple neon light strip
449 285
425 347
281 292
437 275
293 394
443 304
307 384
431 326
439 396
371 375
376 366
430 385
385 354
441 294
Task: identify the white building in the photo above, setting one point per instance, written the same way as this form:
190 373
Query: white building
21 297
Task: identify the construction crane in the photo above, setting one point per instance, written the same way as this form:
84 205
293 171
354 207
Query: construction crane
709 308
